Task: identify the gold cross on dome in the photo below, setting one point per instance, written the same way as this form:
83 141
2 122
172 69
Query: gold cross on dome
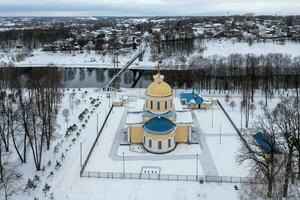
158 67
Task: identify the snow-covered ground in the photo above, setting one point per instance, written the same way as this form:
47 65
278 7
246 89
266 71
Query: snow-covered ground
225 47
223 141
221 47
67 184
181 149
92 59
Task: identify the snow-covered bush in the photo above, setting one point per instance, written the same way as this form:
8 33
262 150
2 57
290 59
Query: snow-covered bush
30 185
46 188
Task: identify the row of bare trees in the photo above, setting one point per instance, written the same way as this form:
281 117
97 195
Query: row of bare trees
27 116
275 161
236 73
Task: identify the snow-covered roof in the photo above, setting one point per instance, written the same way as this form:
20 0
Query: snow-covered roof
117 99
184 116
134 118
177 104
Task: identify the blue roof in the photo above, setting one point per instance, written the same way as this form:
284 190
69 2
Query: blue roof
265 145
191 97
159 126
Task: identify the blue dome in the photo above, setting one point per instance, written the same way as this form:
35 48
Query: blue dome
159 126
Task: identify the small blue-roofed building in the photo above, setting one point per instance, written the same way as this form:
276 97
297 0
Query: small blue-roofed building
194 101
265 144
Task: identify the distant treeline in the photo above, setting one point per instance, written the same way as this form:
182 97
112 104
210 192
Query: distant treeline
32 38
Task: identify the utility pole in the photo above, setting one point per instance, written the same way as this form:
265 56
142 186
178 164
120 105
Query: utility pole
220 134
241 121
212 117
97 123
123 164
197 166
80 154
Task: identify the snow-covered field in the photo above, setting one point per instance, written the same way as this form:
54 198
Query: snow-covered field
225 47
77 60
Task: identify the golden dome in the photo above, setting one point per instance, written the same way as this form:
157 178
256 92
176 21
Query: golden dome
159 88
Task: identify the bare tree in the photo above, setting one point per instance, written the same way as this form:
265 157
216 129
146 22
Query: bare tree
286 119
266 166
232 104
252 108
9 183
66 114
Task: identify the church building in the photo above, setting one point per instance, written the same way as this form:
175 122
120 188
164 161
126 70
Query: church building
159 122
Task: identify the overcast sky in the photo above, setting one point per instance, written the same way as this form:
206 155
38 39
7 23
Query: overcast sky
145 7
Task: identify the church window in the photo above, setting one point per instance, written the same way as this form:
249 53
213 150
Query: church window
159 144
150 143
158 105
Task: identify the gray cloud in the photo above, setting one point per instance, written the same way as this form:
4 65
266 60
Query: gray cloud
145 7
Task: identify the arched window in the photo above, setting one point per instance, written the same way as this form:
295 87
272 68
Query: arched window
171 104
166 105
150 143
169 143
158 105
159 145
151 104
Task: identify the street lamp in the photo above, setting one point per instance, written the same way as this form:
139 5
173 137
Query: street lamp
123 164
80 154
212 117
197 166
220 133
97 122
